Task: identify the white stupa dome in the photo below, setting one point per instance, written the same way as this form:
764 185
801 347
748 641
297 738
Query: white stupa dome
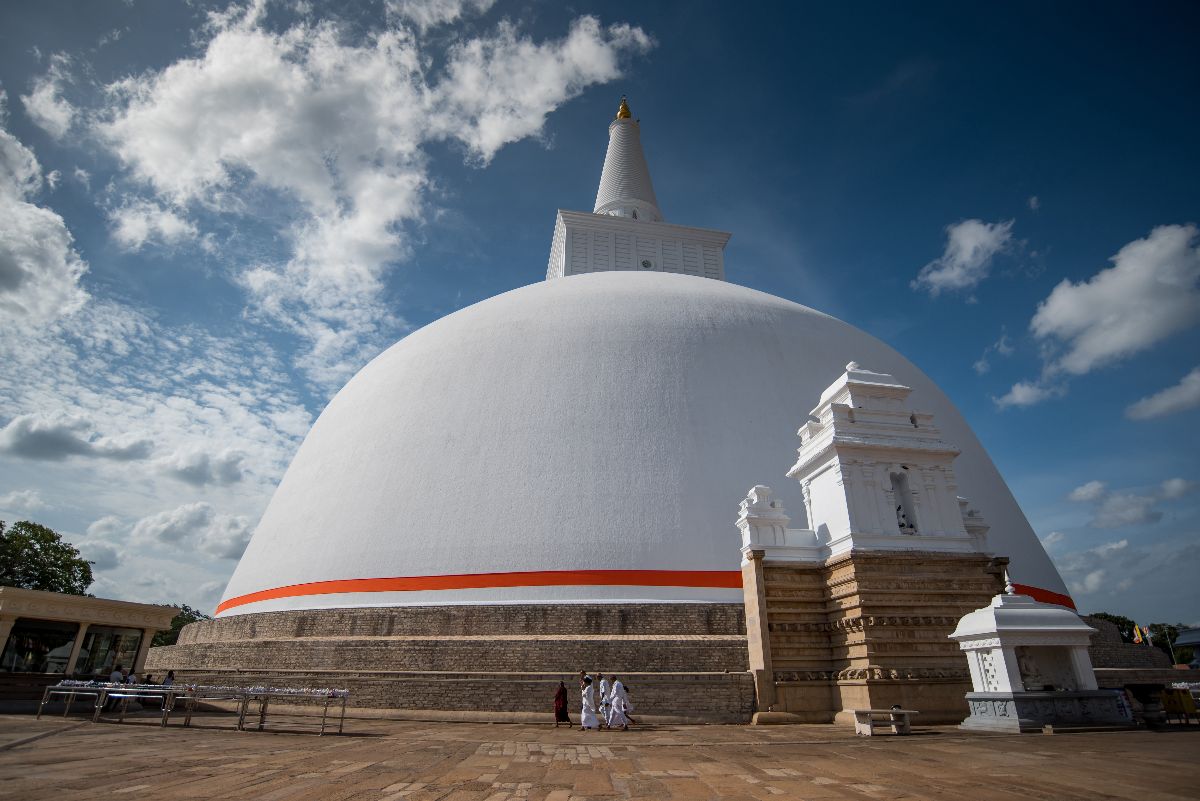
584 439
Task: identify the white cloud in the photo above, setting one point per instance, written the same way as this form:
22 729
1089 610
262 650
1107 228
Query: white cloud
427 14
107 528
1181 397
102 555
1174 488
141 221
199 467
1088 571
182 523
1033 203
54 437
1128 508
1149 294
228 399
27 500
83 176
196 525
1053 538
499 89
45 104
39 268
970 247
1026 393
1091 491
337 128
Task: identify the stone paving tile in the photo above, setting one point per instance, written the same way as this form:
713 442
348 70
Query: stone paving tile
412 761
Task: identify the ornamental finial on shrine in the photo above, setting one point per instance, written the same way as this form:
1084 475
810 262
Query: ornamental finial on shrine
623 113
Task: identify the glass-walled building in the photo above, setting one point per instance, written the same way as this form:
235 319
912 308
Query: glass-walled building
73 635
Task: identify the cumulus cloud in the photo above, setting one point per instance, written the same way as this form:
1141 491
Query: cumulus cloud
1091 491
45 104
55 437
1149 294
1027 393
196 524
39 268
27 500
199 467
971 245
1053 538
1115 509
184 522
426 14
1172 400
1091 570
106 528
141 221
337 127
102 555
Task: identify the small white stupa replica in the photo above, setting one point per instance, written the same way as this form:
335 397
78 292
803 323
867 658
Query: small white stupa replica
1030 668
561 459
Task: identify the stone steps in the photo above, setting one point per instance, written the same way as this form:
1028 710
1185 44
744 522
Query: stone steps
449 654
686 697
672 619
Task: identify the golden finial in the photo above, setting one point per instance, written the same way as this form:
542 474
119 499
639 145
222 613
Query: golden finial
623 113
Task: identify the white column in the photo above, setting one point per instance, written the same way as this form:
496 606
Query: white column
1081 664
1008 671
977 680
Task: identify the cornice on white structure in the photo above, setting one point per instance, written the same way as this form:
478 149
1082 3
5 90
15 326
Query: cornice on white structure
592 243
876 476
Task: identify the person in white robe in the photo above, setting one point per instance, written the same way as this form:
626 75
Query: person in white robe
587 717
605 707
618 702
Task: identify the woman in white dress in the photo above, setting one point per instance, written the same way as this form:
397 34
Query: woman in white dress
587 718
619 705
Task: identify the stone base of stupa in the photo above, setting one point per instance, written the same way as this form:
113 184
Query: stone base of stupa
1031 711
863 631
681 661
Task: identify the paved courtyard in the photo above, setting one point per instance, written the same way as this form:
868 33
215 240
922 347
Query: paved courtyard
417 761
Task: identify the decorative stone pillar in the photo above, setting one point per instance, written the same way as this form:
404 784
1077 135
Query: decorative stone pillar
758 636
74 658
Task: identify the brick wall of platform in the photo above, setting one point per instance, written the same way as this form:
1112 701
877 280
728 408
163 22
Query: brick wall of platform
684 661
518 619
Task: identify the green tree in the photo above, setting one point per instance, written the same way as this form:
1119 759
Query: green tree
34 557
1123 624
186 615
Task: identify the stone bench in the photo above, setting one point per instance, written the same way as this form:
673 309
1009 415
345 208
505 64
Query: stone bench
866 720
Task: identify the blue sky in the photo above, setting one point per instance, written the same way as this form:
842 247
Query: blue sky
215 214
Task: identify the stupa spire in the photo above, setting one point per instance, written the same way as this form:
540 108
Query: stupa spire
625 186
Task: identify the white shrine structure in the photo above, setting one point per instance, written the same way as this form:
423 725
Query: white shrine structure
1030 668
542 482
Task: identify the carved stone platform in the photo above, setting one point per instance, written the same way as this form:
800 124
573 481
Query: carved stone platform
1030 711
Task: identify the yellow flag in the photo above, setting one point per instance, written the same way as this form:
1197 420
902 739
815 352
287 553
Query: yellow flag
1137 634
